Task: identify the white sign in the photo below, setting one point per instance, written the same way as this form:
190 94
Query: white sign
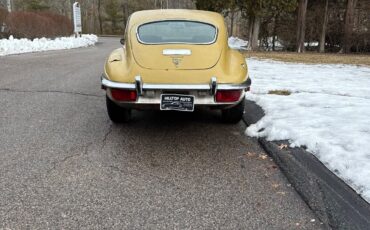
77 17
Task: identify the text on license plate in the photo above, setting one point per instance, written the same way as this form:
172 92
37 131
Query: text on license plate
177 102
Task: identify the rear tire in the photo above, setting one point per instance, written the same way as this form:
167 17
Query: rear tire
234 114
117 114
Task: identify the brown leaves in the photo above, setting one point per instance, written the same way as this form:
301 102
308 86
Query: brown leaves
260 156
251 154
283 146
281 193
275 185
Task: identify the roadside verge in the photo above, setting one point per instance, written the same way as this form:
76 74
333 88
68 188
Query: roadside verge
333 201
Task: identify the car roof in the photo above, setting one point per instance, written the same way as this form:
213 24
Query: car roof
145 16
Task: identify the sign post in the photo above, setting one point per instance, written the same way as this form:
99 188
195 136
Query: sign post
77 19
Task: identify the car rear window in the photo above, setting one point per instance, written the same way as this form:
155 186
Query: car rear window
177 31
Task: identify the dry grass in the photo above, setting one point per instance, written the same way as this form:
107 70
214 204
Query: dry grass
280 92
313 58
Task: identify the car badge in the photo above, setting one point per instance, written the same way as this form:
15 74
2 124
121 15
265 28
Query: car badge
176 62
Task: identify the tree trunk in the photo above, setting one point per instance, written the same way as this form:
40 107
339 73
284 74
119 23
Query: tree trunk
232 16
250 32
256 31
92 18
9 5
254 28
323 30
301 26
274 32
70 6
100 17
348 25
125 13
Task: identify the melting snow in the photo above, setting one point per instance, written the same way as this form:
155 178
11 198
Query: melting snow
18 46
328 112
237 43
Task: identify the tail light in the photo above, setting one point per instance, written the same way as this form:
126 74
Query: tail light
228 95
123 95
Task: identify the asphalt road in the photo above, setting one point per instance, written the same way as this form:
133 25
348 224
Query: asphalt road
63 164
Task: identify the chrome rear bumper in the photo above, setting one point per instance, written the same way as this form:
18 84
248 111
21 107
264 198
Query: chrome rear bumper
149 94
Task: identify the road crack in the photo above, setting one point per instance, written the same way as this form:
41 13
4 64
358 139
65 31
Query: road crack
58 163
104 141
117 169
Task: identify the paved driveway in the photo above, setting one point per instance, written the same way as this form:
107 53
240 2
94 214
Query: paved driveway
63 164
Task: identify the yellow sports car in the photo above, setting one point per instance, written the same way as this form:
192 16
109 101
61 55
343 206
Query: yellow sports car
175 60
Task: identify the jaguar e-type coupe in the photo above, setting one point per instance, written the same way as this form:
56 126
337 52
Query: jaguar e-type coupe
175 60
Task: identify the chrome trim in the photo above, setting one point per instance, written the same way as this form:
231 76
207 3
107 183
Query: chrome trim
148 86
117 85
139 85
232 86
213 85
186 43
206 100
182 52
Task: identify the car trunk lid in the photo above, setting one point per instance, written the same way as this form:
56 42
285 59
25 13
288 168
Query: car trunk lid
176 56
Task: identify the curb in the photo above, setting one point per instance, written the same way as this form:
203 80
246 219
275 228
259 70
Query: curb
336 204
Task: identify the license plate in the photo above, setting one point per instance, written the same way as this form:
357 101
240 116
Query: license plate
177 102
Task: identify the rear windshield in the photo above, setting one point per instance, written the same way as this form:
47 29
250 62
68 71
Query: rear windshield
177 31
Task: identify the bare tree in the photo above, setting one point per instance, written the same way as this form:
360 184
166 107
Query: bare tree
301 26
100 17
348 25
324 25
125 11
254 29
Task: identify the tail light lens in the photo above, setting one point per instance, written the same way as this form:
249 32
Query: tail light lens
123 95
228 95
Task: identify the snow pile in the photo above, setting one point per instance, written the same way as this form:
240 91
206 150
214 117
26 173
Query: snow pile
240 44
311 44
328 112
17 46
237 43
270 42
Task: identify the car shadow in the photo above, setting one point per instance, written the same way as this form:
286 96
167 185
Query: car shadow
154 138
166 117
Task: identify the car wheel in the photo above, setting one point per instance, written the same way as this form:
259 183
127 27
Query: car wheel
117 114
234 114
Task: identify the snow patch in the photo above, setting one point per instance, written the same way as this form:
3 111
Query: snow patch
18 46
237 43
328 112
240 44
